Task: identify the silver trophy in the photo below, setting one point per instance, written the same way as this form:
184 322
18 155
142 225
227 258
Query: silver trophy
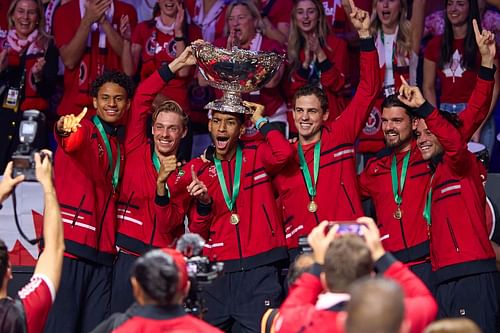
234 72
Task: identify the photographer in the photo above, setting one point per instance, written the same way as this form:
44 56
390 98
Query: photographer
317 298
160 284
30 313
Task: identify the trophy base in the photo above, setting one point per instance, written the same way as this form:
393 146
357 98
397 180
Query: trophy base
223 106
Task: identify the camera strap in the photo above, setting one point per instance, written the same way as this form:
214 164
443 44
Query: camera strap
33 241
12 98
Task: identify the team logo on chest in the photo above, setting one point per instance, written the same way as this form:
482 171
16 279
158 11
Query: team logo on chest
212 172
373 123
82 75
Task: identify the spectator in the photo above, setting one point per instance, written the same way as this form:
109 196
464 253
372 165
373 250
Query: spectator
89 43
89 164
461 253
244 29
453 59
453 325
160 283
29 314
28 67
398 44
207 18
317 298
376 306
320 182
315 55
148 215
276 19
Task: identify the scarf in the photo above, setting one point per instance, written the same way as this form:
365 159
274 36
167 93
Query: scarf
166 29
49 15
29 44
207 22
95 26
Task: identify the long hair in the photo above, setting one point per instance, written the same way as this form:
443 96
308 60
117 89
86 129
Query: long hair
252 8
296 40
403 39
41 17
470 46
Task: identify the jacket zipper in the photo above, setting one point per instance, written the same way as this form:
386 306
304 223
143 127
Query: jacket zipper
455 243
77 213
98 245
347 196
153 233
267 219
230 190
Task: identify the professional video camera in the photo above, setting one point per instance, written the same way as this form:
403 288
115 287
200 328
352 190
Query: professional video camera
23 158
200 269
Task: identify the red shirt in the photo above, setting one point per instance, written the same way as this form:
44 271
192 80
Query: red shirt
279 12
159 48
37 298
215 14
457 82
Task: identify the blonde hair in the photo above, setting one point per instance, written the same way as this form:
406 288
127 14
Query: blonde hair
169 106
41 17
252 8
403 39
296 40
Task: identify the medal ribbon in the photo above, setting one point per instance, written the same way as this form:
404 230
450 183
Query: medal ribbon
156 162
311 189
394 178
428 204
102 132
230 201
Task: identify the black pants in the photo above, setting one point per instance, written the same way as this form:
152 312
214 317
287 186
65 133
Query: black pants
82 301
424 272
242 297
474 297
121 291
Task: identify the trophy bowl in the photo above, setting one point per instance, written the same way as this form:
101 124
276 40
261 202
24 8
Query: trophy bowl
234 72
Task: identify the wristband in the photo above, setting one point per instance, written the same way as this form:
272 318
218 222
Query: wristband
260 121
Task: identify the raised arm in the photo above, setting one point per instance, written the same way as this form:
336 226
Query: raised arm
417 24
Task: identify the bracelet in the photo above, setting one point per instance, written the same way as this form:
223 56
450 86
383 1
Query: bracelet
179 39
260 121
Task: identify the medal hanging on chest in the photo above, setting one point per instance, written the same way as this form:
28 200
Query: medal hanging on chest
234 219
397 187
312 206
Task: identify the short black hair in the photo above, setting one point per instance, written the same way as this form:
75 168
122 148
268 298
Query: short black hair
393 101
4 261
240 116
117 77
309 90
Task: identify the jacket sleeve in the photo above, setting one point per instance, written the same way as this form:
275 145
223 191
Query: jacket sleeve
76 141
353 119
479 102
298 308
420 306
333 69
456 155
276 151
363 180
141 106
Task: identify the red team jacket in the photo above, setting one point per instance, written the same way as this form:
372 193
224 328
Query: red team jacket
258 239
459 237
145 220
299 314
408 238
337 190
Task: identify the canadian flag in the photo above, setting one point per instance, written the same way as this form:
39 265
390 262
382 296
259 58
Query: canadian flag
30 203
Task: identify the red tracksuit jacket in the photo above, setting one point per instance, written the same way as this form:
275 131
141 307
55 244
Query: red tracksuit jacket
408 238
258 239
299 314
459 237
145 220
337 190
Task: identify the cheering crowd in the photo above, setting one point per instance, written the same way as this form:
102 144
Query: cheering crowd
369 115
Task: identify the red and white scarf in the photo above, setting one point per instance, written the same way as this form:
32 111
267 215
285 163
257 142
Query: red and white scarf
207 22
166 29
49 15
95 26
29 44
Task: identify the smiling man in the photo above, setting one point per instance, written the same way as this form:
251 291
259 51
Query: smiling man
89 161
320 182
148 215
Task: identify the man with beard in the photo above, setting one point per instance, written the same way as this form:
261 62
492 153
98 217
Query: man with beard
320 182
148 215
462 258
239 218
399 172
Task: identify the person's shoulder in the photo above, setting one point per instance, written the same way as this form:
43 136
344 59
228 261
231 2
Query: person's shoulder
269 44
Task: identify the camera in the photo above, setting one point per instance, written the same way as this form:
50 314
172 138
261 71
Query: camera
24 157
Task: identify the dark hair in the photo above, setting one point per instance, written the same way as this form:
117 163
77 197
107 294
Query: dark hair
170 106
117 77
240 116
4 261
347 259
157 275
393 101
309 90
470 46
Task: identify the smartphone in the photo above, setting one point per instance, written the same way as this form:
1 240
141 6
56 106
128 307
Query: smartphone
347 227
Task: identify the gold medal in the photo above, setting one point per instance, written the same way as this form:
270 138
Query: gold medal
235 219
398 214
312 207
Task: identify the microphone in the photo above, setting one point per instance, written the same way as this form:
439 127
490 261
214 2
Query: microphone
190 245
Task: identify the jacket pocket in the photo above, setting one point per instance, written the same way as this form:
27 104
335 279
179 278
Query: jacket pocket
267 219
452 234
347 196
